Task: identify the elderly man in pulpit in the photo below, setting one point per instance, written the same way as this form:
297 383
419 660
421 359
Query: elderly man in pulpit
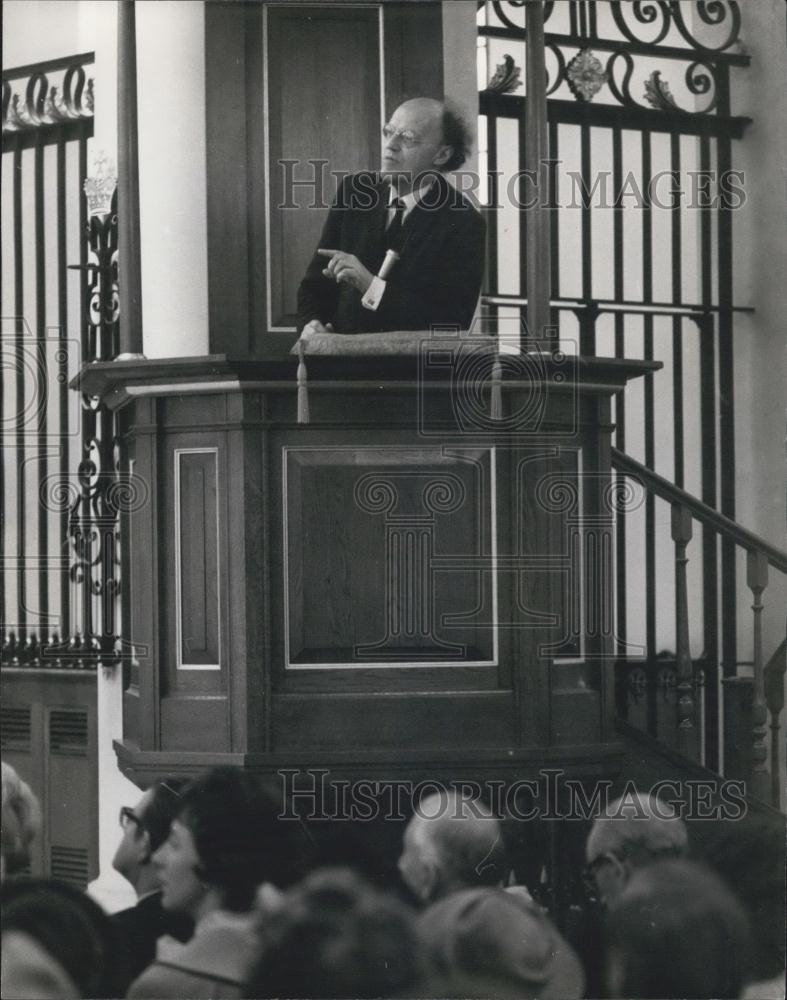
401 249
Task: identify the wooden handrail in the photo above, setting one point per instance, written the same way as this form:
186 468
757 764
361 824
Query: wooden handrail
701 511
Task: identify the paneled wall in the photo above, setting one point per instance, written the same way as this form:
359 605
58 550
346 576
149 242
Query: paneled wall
298 93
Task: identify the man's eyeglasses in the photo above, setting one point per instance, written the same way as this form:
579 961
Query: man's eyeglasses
127 817
590 870
405 136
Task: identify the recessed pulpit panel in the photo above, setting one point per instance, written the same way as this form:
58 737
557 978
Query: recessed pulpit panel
389 558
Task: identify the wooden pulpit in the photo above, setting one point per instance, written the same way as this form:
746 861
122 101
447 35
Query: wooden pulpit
418 580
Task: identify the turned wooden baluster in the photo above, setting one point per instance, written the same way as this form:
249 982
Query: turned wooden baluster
681 536
774 673
303 387
757 579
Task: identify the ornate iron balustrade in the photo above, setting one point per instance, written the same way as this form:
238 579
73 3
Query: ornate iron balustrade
48 93
606 52
635 91
64 582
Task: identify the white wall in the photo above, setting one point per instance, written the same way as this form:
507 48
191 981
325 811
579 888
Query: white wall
172 176
39 30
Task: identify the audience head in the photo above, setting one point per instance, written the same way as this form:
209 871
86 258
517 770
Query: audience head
491 943
145 828
750 856
225 841
635 831
21 822
54 934
334 935
677 931
452 842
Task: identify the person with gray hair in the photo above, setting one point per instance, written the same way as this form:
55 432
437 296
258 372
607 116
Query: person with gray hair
21 822
484 940
635 831
451 843
401 248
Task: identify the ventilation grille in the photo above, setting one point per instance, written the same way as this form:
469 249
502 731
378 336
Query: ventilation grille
70 865
15 727
68 732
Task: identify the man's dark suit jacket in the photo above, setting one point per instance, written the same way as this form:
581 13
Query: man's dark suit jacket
136 931
437 279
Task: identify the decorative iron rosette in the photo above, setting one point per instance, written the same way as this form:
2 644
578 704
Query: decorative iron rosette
585 75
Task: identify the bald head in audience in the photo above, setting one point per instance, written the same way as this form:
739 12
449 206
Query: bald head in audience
451 843
635 831
21 822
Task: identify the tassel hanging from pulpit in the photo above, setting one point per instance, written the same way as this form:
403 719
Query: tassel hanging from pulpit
496 402
303 388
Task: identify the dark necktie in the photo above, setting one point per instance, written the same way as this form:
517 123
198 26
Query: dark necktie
395 226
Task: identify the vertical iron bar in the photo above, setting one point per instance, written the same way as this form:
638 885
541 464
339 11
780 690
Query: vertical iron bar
524 194
536 162
42 388
710 562
583 19
677 323
62 377
587 329
84 316
620 399
593 24
492 283
729 615
650 502
554 232
129 251
572 17
19 402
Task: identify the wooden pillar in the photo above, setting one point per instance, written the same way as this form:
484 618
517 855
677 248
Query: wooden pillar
129 266
539 249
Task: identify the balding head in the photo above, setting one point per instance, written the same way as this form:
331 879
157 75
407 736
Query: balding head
635 831
452 842
423 137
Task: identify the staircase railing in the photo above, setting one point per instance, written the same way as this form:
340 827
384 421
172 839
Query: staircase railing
768 679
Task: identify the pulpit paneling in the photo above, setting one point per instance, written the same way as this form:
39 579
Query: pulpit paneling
194 660
388 557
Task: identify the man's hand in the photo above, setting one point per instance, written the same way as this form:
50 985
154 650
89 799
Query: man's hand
346 269
315 326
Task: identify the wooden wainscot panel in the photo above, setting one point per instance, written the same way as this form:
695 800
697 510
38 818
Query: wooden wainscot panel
394 722
312 53
389 558
195 571
194 723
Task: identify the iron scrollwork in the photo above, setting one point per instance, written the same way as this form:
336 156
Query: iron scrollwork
38 102
102 491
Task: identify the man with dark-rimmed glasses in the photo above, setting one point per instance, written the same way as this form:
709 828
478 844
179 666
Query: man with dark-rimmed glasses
401 249
145 827
634 832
